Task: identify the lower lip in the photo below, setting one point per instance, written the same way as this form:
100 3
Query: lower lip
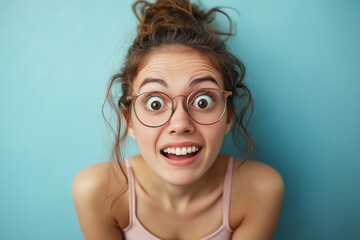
182 162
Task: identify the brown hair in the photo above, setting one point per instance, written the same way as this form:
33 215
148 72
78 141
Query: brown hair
173 23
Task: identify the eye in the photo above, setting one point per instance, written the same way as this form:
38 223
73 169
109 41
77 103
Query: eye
203 101
155 103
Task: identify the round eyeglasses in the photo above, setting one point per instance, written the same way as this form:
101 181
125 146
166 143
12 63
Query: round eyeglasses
205 106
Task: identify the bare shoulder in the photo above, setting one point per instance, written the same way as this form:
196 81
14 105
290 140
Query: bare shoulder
91 180
256 201
95 189
90 175
260 177
98 182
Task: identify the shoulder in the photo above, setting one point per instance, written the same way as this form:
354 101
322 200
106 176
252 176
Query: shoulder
256 201
95 190
259 177
91 180
257 196
97 182
89 189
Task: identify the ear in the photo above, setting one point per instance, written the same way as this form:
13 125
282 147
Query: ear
128 124
230 115
228 125
131 130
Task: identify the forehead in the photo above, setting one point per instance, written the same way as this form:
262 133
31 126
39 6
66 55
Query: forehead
176 66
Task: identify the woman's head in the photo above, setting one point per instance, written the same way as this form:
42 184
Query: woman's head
178 115
178 24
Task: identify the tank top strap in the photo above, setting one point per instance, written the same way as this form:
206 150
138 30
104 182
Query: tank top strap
227 194
131 192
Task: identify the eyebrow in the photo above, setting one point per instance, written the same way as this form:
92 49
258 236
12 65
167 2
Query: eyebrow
203 79
193 83
153 80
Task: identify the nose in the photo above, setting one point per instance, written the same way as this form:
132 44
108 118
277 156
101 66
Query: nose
180 121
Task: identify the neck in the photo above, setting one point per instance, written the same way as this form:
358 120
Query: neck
180 198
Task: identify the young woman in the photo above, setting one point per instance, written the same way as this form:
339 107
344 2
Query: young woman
179 86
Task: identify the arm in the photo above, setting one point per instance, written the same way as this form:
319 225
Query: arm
93 211
267 191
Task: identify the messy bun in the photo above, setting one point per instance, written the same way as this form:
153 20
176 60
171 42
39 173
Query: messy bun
173 14
172 23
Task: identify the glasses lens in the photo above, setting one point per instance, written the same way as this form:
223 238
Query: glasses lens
153 108
207 106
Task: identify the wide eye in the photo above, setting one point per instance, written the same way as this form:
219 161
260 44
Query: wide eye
155 103
203 101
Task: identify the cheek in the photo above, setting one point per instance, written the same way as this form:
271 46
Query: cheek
141 134
136 129
216 133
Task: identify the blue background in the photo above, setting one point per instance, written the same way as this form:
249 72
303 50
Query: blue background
303 68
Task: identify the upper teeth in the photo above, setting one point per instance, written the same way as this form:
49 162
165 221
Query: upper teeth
181 151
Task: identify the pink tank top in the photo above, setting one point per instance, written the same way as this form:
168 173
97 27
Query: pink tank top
136 231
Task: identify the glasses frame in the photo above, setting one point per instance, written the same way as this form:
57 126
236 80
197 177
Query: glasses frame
133 98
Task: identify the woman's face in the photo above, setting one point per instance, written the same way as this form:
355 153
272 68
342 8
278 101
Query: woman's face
178 72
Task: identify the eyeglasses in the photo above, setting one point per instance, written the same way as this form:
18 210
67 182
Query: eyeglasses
205 106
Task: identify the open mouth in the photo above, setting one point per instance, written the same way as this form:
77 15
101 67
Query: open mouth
178 153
